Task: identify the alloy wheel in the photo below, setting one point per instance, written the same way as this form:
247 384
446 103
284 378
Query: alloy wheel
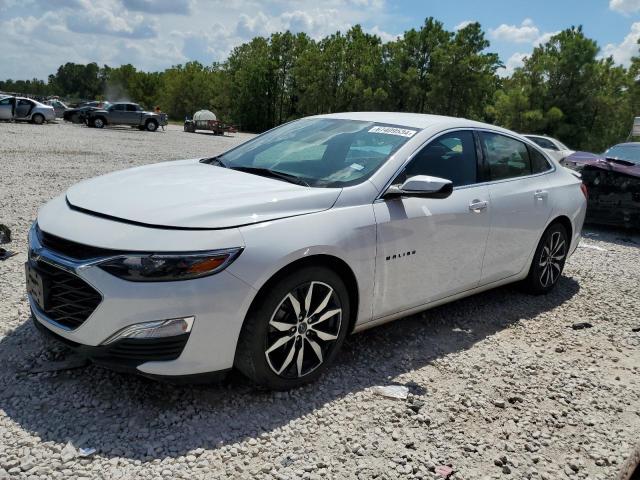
551 258
303 330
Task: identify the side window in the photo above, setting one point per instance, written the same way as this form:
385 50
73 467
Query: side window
6 101
451 156
539 163
119 107
24 102
506 157
543 142
132 108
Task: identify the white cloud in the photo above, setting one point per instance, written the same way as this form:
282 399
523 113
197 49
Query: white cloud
623 52
109 19
515 61
248 27
384 36
463 24
544 38
180 7
624 6
527 32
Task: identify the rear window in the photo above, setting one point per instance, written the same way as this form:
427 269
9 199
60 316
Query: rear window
539 163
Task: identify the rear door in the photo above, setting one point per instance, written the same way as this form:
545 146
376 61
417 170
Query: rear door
431 248
520 206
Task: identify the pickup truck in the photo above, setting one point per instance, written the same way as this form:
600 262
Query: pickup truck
130 114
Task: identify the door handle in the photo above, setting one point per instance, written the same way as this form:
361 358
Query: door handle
478 206
540 194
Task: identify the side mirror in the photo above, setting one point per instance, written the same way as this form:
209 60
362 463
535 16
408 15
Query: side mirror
423 186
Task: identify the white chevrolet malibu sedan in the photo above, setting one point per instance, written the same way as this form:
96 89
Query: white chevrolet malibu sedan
265 257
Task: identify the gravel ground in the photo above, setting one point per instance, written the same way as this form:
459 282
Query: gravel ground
500 385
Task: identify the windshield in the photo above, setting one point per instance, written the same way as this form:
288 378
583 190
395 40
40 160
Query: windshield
629 153
321 152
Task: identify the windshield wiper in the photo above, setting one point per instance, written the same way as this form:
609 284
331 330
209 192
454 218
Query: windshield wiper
267 172
214 161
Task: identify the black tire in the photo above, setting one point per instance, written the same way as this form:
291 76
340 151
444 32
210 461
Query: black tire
257 354
151 125
75 118
548 261
38 119
98 122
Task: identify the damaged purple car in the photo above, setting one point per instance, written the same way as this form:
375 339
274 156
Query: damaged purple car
613 181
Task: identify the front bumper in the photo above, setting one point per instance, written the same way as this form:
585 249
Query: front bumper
218 303
126 354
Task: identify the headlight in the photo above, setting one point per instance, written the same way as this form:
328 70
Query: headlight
169 267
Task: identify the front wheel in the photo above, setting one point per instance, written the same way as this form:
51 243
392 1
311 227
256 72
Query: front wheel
98 122
548 261
295 330
151 125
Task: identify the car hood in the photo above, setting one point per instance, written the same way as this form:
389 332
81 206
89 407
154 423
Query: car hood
600 162
189 194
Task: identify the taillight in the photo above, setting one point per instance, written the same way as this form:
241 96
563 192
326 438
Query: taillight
583 187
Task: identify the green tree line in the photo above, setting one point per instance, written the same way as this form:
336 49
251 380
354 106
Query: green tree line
564 89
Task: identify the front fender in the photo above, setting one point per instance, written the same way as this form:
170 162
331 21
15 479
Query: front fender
348 234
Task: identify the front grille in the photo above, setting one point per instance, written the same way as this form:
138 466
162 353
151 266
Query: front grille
70 300
71 249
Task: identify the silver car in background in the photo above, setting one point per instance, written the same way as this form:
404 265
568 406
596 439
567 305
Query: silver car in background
58 106
554 147
26 110
266 257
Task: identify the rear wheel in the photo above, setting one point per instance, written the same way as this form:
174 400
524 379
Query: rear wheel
548 261
294 332
38 119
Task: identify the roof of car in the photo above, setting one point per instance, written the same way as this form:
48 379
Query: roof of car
414 120
536 135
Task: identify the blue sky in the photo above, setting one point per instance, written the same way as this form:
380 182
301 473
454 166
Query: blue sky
155 34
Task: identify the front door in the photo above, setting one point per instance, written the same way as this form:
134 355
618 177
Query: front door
429 249
117 114
6 108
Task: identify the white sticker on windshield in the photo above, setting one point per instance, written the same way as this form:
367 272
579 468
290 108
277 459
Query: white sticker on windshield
403 132
356 166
